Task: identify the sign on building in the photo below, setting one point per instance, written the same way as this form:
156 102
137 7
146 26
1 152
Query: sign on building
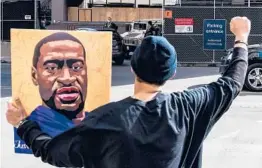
28 17
171 2
214 31
184 25
168 14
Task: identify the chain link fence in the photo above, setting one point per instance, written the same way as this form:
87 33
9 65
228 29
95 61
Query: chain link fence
27 14
17 14
189 46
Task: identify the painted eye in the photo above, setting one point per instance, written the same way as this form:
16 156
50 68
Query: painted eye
51 68
76 67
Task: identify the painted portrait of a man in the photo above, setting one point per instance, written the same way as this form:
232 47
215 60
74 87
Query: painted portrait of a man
59 73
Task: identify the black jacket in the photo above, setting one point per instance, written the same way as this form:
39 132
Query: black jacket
166 132
111 25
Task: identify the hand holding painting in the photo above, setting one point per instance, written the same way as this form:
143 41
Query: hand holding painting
15 112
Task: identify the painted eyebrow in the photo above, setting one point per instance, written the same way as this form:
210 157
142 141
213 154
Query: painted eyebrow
72 61
59 62
55 61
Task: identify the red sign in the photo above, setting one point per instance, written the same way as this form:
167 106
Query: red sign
184 21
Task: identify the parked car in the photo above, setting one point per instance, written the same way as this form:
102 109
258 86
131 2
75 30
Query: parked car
136 32
118 49
253 81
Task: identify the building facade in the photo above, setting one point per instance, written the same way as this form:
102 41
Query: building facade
61 15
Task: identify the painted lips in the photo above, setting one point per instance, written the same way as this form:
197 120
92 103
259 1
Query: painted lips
67 93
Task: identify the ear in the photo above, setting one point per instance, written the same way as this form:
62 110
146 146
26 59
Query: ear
34 76
173 76
131 69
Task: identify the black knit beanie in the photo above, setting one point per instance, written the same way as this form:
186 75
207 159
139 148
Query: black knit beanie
155 60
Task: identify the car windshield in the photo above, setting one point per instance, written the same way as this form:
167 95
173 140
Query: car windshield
139 26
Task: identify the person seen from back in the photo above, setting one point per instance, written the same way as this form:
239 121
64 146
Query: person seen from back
149 129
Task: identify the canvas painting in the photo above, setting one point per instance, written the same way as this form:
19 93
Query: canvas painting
60 76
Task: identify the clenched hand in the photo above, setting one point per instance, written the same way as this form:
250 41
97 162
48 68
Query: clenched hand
15 112
240 27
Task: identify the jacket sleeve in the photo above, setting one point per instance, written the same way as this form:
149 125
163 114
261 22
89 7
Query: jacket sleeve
211 101
65 150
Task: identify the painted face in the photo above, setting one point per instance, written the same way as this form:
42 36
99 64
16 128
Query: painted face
61 74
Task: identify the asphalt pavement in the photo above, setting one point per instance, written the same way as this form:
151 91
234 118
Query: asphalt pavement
234 142
121 75
6 80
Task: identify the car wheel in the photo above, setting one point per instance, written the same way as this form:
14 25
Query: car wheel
119 60
253 80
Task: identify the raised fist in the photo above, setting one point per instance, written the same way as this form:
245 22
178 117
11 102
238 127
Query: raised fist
240 26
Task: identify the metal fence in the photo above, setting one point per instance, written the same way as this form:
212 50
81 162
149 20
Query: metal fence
189 46
26 14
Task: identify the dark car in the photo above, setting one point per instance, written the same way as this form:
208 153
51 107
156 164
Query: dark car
118 49
253 81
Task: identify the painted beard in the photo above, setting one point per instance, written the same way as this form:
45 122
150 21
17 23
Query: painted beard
69 114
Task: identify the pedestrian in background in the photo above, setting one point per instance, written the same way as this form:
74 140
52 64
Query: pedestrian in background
110 24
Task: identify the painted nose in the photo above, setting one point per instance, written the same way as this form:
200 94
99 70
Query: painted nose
66 78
